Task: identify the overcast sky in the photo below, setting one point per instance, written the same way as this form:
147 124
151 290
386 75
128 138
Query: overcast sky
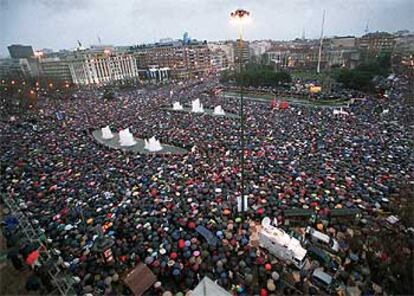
58 24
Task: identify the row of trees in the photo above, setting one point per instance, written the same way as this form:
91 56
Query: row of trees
361 78
19 95
256 75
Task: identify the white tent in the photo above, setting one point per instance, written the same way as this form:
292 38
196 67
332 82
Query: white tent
206 287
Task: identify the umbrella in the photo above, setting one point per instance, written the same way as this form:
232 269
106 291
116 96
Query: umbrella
32 258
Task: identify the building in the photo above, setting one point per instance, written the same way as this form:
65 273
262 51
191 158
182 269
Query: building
18 51
46 51
342 42
18 69
226 47
303 54
219 61
347 58
195 61
222 55
175 59
372 44
99 67
340 52
186 38
55 69
404 43
278 56
242 51
258 48
294 56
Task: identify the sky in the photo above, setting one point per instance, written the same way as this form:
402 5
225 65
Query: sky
58 24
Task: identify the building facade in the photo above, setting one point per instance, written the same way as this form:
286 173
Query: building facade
54 69
342 42
298 56
304 54
100 67
19 69
178 60
258 48
372 44
241 50
222 55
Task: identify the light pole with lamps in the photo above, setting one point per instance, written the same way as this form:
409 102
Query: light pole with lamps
241 17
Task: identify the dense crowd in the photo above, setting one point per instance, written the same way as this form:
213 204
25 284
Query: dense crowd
301 157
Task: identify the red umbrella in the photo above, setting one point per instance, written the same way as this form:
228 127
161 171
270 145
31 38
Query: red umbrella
33 256
284 105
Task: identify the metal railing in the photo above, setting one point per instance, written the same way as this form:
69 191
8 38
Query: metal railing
59 277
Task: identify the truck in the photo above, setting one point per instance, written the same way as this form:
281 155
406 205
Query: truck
281 245
298 216
344 215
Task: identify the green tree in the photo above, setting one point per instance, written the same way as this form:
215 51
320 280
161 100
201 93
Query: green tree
361 77
226 76
256 75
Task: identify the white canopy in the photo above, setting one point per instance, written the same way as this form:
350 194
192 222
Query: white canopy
206 287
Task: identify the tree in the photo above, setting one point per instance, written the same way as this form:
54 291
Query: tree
361 77
226 76
257 75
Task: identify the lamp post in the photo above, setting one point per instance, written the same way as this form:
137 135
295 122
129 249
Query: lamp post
240 17
38 55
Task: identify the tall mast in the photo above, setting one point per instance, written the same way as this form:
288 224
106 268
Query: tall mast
318 69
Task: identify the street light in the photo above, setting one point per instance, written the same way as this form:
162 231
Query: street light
38 55
241 17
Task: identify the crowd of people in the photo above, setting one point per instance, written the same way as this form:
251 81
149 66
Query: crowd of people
150 205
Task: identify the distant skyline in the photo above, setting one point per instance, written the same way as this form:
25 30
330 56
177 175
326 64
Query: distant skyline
58 24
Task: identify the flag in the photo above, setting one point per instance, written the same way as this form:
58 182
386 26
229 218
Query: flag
207 234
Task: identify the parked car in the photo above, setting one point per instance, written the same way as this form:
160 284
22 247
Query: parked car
321 256
322 279
321 239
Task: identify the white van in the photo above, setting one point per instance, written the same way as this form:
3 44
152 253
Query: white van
322 239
